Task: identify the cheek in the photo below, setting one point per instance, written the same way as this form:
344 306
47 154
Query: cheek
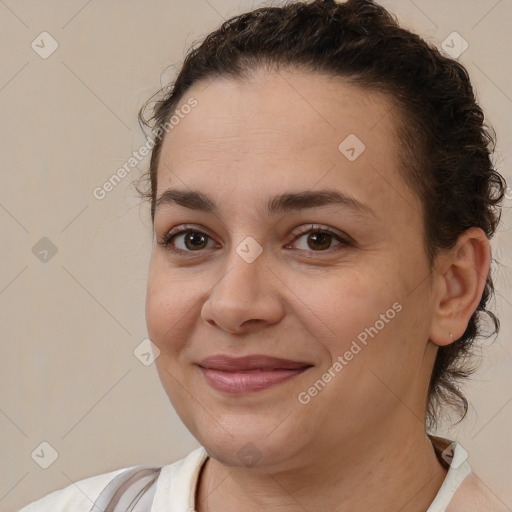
158 313
372 326
353 305
169 310
384 338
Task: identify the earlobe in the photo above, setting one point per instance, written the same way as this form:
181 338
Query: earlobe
461 279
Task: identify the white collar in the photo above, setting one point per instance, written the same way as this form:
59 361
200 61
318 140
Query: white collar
178 481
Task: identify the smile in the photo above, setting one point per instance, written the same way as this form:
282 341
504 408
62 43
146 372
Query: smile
248 374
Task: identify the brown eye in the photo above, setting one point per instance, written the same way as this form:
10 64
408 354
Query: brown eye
192 240
319 239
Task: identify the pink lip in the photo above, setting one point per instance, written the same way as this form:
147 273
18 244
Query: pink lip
249 373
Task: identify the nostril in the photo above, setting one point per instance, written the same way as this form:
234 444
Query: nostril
250 322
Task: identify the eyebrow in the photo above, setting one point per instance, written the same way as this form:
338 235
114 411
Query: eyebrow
281 203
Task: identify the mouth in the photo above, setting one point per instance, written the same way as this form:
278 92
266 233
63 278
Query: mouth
249 373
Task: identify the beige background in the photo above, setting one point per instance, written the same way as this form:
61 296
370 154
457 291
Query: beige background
70 325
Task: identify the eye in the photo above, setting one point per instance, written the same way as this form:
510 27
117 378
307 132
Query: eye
319 239
193 240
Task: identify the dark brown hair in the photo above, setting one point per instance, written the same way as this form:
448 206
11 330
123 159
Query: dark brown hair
445 145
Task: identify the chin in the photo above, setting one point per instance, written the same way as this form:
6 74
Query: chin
254 444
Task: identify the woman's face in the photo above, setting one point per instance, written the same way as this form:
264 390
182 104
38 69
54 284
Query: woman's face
273 267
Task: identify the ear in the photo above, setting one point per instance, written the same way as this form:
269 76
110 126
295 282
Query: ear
460 277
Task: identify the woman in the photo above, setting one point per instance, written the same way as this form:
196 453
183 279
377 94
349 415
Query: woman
322 197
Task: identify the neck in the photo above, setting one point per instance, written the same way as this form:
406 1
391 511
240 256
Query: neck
396 469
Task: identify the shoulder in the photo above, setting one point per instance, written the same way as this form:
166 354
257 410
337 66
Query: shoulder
80 496
474 496
76 497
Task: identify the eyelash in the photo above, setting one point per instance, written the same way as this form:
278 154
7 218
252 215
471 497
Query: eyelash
166 243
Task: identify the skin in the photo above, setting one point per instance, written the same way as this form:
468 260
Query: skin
360 443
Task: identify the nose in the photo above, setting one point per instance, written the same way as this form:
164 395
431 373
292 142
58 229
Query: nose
245 297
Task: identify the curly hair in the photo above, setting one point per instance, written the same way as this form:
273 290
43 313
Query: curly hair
445 146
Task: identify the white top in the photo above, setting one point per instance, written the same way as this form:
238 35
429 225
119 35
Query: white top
176 484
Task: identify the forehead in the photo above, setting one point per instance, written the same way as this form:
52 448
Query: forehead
284 130
293 107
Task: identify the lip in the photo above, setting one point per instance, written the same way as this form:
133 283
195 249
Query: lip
248 374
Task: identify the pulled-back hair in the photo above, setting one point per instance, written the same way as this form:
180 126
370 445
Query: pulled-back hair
445 146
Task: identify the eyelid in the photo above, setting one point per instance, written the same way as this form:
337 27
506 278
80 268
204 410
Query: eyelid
325 229
178 231
342 237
